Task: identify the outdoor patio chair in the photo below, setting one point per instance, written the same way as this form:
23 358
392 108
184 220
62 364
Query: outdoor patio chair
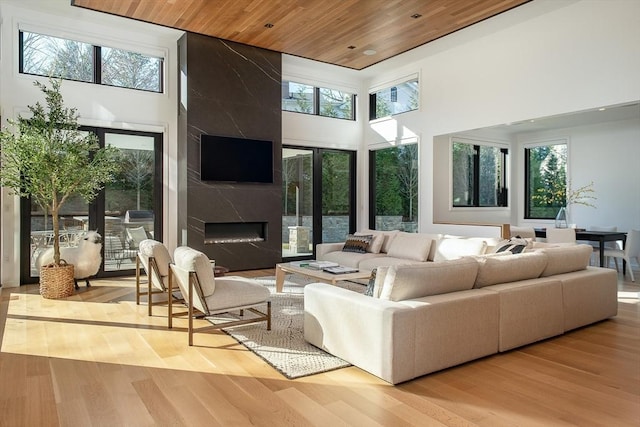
207 296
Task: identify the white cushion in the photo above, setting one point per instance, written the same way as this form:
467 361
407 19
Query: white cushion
235 291
152 248
421 280
388 239
457 248
509 268
410 246
565 259
193 260
135 236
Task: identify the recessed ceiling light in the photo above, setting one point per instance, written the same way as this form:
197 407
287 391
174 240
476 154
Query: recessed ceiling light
268 25
369 52
601 109
416 16
351 47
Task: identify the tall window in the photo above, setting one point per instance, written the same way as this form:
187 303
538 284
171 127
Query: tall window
478 174
393 184
395 99
545 179
44 55
303 98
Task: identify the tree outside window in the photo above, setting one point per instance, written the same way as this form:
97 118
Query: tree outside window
395 188
545 180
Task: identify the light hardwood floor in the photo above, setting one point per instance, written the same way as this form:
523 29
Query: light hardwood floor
97 359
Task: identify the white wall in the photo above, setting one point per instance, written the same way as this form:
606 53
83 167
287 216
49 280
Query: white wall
543 58
606 154
97 105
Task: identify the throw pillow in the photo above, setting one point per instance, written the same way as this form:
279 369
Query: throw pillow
372 283
410 246
357 244
515 244
377 240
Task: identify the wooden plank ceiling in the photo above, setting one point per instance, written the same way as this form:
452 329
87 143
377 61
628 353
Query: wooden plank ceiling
349 33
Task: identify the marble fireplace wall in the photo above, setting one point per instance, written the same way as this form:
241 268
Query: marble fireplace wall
229 89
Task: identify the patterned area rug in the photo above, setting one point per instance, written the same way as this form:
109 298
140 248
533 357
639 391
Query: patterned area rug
284 347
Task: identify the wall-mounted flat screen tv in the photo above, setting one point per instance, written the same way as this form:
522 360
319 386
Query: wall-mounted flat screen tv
228 159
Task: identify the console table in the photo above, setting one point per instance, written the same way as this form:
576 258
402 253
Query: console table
594 236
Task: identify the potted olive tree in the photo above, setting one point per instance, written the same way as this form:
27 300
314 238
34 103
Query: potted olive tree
46 157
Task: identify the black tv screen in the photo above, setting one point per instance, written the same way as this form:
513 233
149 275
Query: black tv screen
231 159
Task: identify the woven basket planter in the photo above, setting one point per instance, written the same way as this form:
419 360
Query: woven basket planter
56 281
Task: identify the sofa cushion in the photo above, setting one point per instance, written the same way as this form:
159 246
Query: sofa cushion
410 246
565 259
377 239
193 260
457 248
388 239
511 268
357 244
348 259
384 260
420 280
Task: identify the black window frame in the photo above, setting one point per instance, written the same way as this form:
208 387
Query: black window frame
97 64
316 102
502 192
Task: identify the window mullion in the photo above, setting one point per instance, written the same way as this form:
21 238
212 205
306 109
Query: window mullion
476 175
97 64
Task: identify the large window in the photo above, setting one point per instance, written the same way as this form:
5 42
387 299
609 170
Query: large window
395 99
127 211
47 56
318 187
393 185
303 98
545 179
478 174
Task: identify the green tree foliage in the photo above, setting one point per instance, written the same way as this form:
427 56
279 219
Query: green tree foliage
335 183
48 159
396 185
548 180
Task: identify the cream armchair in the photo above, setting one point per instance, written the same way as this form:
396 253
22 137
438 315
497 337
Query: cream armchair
154 258
208 295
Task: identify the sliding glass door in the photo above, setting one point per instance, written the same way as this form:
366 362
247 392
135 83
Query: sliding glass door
127 211
318 188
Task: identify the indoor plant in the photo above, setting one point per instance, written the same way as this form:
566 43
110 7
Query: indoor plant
46 157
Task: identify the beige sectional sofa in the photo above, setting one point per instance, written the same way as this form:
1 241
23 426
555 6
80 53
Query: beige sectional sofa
425 317
400 248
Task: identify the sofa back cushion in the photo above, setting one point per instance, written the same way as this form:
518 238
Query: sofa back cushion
410 246
565 259
421 280
193 260
457 248
509 268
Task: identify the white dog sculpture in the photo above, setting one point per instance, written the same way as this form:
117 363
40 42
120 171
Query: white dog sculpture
86 258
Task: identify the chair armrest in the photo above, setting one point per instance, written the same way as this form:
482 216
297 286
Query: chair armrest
325 248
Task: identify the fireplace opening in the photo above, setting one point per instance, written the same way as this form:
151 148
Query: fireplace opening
234 232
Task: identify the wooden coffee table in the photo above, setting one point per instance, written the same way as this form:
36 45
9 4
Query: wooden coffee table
287 267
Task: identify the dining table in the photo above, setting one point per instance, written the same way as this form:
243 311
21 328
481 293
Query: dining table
593 236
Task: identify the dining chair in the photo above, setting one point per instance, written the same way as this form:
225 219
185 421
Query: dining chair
207 295
561 235
607 245
631 251
154 258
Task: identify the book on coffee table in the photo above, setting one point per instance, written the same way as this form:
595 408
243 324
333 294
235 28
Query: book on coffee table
340 270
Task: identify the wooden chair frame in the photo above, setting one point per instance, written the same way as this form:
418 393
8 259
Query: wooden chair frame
152 290
194 285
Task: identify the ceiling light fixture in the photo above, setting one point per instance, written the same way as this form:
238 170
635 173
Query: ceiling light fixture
370 52
601 109
351 47
416 16
268 25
